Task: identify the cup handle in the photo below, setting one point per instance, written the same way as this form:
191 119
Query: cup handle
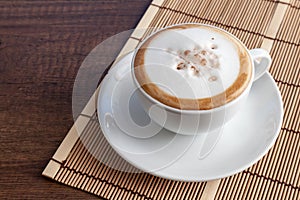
262 61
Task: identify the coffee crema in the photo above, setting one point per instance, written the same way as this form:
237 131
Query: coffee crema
192 67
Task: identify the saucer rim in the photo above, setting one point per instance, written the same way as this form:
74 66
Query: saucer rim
249 164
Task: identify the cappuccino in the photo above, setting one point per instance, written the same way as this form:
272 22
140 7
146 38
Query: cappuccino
193 67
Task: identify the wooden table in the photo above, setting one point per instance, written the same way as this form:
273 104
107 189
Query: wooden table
42 44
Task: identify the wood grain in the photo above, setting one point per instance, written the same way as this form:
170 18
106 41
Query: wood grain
42 44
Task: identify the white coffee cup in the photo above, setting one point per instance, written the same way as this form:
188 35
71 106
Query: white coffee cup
195 121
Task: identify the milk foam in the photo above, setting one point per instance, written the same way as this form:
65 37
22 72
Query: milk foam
192 63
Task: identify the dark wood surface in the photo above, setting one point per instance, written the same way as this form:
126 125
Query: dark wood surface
42 45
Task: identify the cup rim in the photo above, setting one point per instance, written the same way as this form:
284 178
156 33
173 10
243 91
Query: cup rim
184 111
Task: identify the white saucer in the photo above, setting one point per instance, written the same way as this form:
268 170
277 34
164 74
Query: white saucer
245 139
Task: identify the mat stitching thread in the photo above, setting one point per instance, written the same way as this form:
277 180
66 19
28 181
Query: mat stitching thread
267 37
286 83
273 180
104 181
133 192
61 163
279 2
90 176
228 26
281 40
84 115
290 130
135 38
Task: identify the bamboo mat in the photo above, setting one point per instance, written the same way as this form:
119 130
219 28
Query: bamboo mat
273 25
